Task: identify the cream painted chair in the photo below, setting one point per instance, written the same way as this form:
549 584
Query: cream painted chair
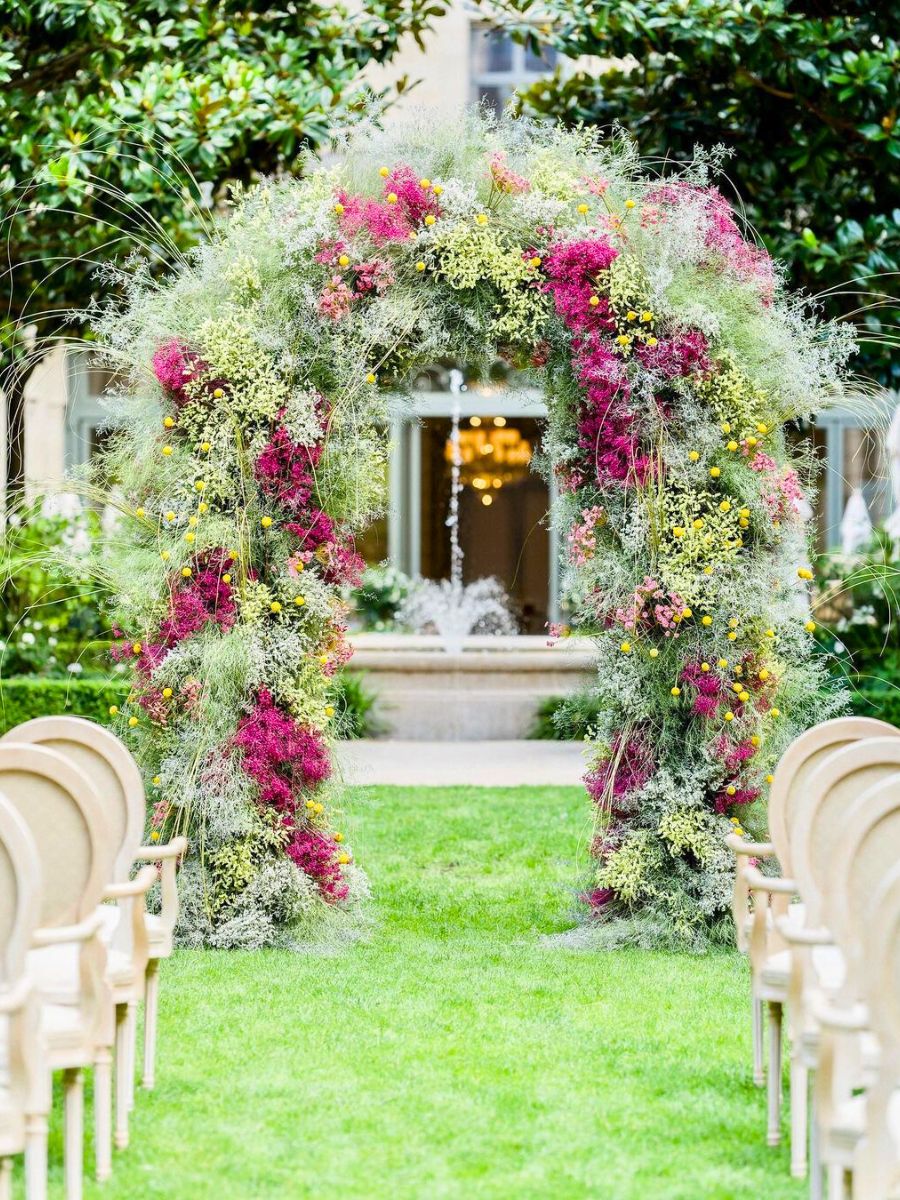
115 774
854 846
63 812
876 1171
20 1061
770 897
817 965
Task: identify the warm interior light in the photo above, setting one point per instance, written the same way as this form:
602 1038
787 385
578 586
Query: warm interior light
487 500
499 422
497 483
474 422
487 448
479 482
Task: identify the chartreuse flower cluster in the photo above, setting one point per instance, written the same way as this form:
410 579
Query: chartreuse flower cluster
251 449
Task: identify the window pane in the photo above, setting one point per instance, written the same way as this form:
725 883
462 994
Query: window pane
492 50
543 60
494 97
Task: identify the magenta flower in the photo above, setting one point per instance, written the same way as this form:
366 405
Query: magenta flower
317 856
284 469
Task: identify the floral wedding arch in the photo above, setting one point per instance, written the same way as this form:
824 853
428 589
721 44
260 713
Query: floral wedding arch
251 448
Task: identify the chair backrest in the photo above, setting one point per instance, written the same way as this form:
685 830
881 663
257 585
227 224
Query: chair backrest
798 763
111 768
63 812
862 859
821 816
20 893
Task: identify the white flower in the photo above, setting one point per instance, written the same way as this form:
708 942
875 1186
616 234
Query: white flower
27 639
74 668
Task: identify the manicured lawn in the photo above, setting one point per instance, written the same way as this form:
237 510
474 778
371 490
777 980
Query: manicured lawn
451 1054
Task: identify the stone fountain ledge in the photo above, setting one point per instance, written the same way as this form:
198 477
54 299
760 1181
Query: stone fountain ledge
489 691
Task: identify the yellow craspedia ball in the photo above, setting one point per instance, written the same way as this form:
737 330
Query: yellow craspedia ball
535 261
299 601
430 219
114 710
167 450
678 532
200 485
625 647
132 721
722 663
770 779
594 301
275 607
168 422
202 506
391 197
157 780
653 652
164 555
715 472
383 172
732 446
630 203
729 716
338 837
167 693
751 442
582 208
218 393
732 636
339 208
706 620
652 341
266 522
743 697
329 710
190 538
763 675
804 573
136 647
776 712
687 613
731 790
226 578
186 572
170 516
425 183
675 691
481 219
344 261
138 512
810 627
420 266
370 378
755 740
205 447
694 455
343 859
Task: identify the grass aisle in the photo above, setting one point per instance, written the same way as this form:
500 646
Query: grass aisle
451 1055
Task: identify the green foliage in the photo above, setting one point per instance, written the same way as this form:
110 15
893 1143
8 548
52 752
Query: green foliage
113 110
25 697
806 95
49 618
379 597
567 718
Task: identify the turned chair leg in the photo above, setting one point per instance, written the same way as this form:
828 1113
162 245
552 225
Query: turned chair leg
6 1179
837 1182
36 1156
799 1100
132 1052
151 1017
73 1142
122 1090
815 1156
774 1074
103 1114
759 1071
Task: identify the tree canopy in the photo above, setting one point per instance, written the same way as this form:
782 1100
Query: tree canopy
109 107
805 94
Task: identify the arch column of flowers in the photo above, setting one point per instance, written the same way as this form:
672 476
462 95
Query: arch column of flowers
250 452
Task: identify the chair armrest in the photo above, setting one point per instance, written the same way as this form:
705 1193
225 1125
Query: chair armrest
757 882
14 998
752 849
177 848
140 885
798 936
82 932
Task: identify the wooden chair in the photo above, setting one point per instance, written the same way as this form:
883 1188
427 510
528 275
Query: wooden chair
20 887
853 847
63 812
110 766
770 958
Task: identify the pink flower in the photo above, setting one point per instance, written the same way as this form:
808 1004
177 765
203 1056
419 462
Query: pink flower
316 855
375 276
177 367
682 354
781 492
284 469
334 299
505 179
582 537
628 768
281 756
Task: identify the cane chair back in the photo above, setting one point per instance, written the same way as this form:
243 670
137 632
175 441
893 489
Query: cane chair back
820 819
797 765
111 768
64 815
20 893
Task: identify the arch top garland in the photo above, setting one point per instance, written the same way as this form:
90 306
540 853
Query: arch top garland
251 449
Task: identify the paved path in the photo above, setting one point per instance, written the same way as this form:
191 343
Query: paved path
485 764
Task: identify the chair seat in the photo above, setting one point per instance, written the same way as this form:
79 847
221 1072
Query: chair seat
828 964
61 1028
159 936
849 1123
55 971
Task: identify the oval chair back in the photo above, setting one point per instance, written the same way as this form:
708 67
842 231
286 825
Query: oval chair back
865 854
64 815
20 893
799 762
821 815
111 768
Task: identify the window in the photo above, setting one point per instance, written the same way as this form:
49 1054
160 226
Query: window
500 66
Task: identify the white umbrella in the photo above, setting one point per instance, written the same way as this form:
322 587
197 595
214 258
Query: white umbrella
892 445
856 524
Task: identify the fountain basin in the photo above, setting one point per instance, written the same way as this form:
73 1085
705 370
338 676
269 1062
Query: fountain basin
490 690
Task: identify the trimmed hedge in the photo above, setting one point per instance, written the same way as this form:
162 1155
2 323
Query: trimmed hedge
880 700
23 697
